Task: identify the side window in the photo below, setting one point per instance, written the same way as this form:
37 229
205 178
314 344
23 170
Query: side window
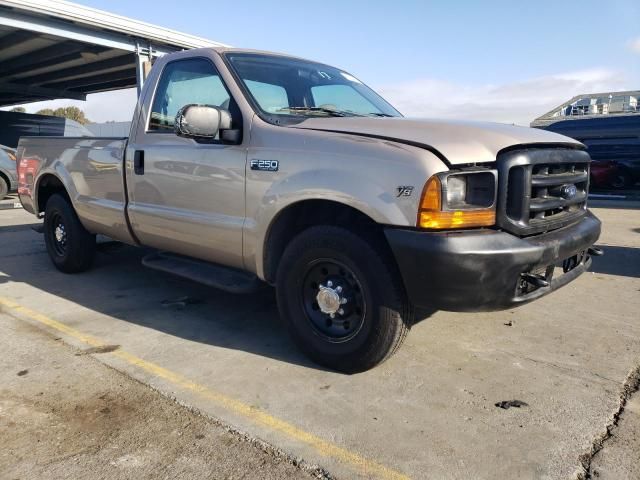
270 97
183 82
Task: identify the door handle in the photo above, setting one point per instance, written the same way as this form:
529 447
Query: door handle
138 162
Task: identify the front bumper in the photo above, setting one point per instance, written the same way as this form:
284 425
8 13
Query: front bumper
481 270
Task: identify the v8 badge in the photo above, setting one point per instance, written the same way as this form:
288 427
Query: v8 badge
404 191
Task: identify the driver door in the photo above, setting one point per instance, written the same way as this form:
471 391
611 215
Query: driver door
187 196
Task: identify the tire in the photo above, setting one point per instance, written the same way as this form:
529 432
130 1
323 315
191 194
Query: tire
4 187
71 248
620 180
374 319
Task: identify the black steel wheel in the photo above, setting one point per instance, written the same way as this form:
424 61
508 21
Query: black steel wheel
342 299
70 246
332 300
59 241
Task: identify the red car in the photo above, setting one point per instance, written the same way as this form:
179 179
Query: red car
601 173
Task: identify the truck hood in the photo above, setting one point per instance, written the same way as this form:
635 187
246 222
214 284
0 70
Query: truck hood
460 142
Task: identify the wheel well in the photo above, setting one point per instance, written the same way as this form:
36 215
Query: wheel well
6 179
48 185
302 215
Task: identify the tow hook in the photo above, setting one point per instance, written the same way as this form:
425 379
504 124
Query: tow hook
595 252
537 281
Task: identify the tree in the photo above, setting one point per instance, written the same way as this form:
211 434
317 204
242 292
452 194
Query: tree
72 113
18 109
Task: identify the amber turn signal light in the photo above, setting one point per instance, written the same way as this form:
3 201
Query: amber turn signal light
431 215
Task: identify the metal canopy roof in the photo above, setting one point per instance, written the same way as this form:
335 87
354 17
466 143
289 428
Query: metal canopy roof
58 49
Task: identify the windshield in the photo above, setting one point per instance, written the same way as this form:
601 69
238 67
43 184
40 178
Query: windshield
284 87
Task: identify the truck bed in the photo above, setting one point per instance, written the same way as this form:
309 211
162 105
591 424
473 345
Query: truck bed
92 170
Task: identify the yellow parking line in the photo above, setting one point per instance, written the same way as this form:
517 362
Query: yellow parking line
237 407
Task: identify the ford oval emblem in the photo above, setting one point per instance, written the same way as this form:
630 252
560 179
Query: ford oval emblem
568 191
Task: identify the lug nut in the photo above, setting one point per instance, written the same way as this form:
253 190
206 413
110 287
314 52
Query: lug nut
341 312
338 289
329 284
343 301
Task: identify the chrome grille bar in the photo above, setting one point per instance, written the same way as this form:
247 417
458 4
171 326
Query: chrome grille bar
541 189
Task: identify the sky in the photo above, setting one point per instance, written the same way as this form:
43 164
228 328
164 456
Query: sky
505 61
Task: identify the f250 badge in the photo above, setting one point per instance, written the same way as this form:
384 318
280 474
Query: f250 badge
265 165
404 191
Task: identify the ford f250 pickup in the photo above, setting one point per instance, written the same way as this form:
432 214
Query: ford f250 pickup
245 167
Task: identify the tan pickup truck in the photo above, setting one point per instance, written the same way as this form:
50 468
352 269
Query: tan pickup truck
245 167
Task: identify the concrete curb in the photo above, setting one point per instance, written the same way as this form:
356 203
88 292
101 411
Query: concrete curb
10 205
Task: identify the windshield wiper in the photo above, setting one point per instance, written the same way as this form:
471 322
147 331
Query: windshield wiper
330 111
378 114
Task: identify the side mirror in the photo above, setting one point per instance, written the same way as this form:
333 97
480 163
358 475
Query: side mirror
201 121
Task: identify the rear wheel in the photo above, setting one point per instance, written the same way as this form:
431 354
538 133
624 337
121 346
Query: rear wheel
71 247
341 299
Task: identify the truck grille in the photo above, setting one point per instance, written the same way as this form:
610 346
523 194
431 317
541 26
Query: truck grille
541 189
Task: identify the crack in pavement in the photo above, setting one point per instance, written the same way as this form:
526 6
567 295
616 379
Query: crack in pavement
629 387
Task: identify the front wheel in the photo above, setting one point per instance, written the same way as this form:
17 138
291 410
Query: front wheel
341 299
71 247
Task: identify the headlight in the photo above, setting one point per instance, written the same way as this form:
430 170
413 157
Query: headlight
459 200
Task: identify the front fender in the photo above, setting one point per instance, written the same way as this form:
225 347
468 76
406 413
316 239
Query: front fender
362 173
369 197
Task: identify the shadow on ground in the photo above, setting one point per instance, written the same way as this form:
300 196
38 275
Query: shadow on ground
119 286
622 261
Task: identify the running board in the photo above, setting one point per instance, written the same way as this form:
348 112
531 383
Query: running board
217 276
